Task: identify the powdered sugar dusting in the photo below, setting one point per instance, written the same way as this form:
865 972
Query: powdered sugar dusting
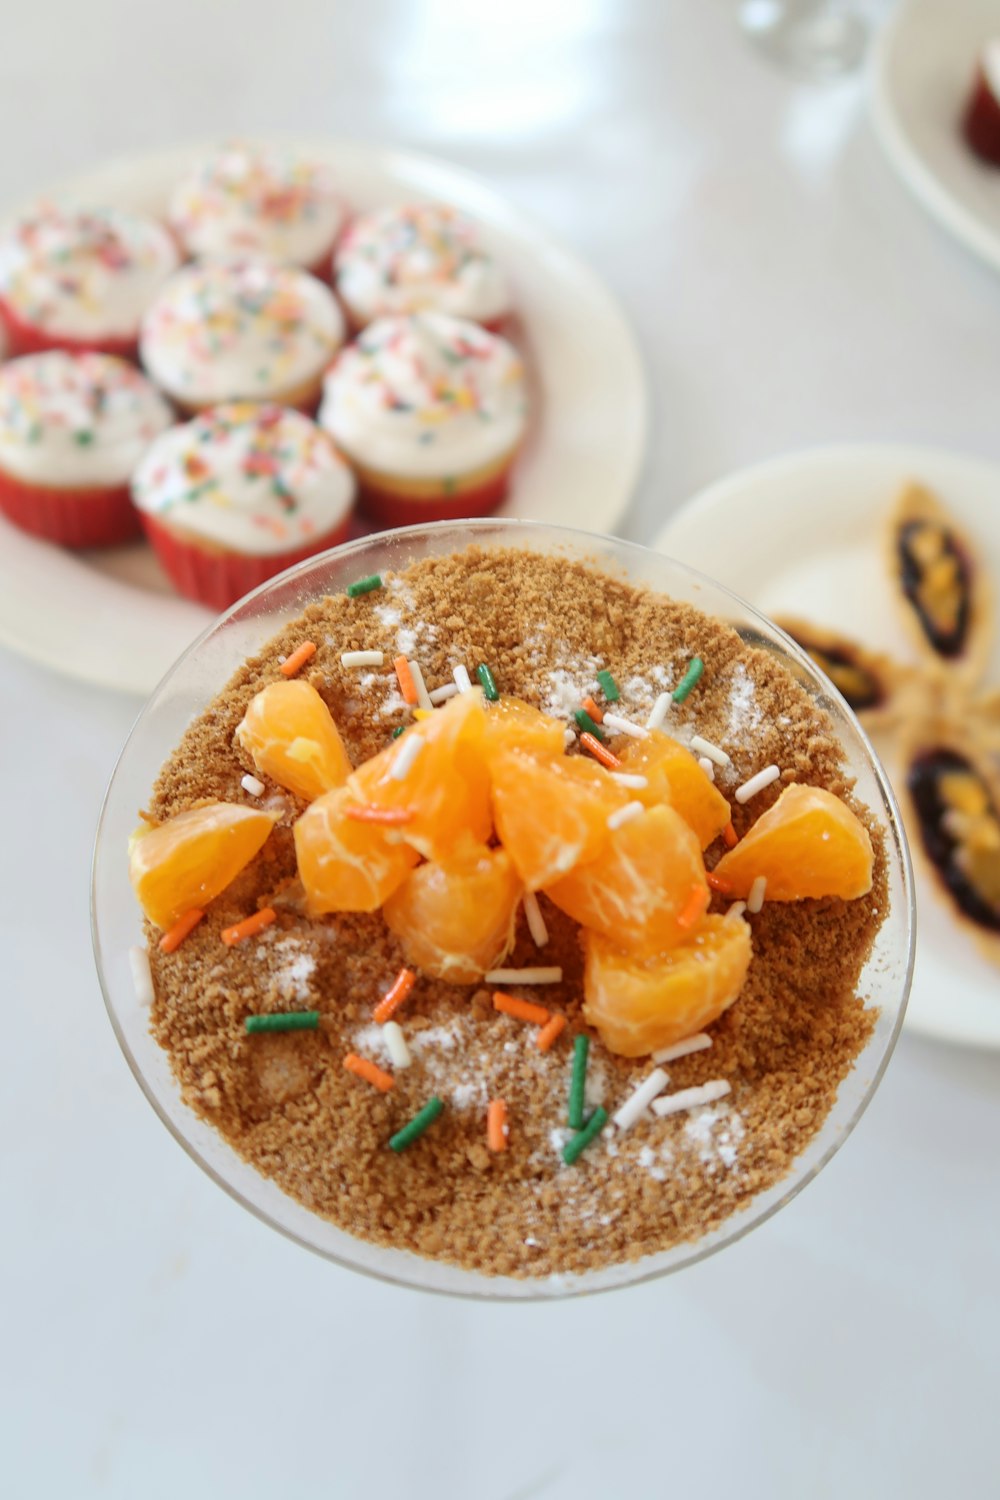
298 966
744 712
715 1134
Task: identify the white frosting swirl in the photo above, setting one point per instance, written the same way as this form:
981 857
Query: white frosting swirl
76 420
247 200
426 396
254 478
84 274
239 330
424 257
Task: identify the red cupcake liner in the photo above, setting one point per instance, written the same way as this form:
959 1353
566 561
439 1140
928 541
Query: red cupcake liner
981 121
27 338
218 579
390 508
70 517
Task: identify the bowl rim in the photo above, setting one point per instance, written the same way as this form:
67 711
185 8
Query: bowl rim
571 1285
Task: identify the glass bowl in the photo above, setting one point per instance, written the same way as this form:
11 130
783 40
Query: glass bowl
203 670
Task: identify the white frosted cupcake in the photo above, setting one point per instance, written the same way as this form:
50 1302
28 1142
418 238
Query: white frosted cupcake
431 412
72 429
258 201
238 494
241 331
80 279
420 258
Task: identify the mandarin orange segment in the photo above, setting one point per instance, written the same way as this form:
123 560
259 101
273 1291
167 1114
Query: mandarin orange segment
551 814
346 865
445 784
646 891
808 844
675 777
513 723
290 734
640 1004
188 860
456 923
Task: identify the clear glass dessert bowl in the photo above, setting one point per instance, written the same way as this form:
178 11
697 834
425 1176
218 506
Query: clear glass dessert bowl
198 677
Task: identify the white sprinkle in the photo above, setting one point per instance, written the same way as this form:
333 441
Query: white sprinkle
405 756
625 814
551 975
423 697
707 767
737 909
755 900
462 679
625 726
696 1043
625 778
536 922
395 1045
640 1099
705 747
252 785
442 694
757 783
659 713
708 1093
142 975
362 658
569 737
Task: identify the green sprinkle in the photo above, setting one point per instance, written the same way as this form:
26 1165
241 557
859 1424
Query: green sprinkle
364 585
417 1125
486 680
83 439
581 1046
587 724
609 686
695 668
399 729
293 1020
583 1138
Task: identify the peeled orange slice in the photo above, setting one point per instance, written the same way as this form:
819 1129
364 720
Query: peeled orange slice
186 861
675 777
641 1004
291 736
551 814
511 722
456 923
808 844
346 865
446 786
650 874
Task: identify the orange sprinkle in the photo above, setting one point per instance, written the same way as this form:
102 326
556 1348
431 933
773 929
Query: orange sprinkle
407 686
523 1010
362 1068
729 834
599 752
697 905
249 927
549 1032
718 883
175 935
592 709
394 997
365 813
496 1125
298 659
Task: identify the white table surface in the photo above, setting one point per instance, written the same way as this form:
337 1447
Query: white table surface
155 1340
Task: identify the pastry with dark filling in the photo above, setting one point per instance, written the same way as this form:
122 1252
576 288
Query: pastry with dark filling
940 587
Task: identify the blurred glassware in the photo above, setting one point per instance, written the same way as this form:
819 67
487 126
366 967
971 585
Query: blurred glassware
814 39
